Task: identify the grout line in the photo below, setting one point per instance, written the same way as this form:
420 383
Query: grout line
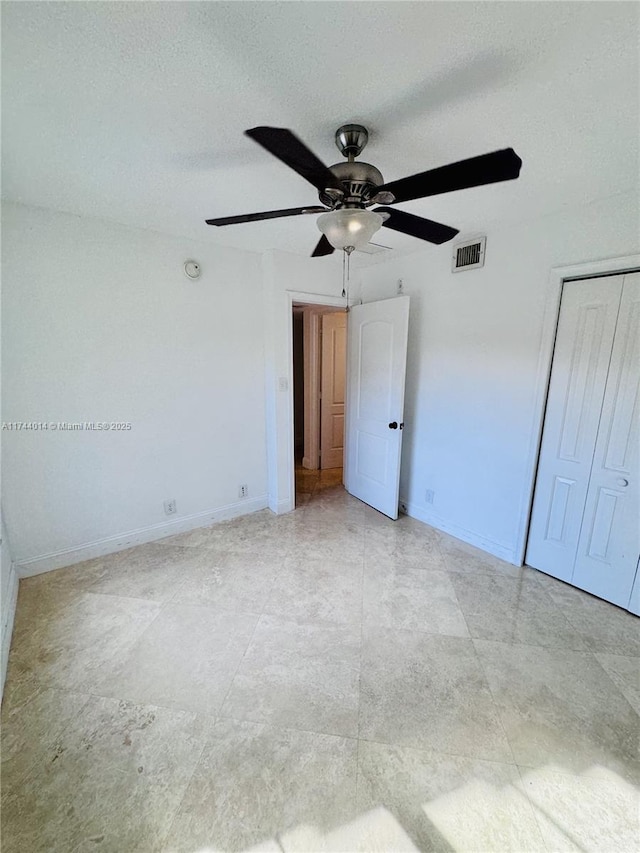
237 670
285 727
498 712
196 764
430 750
522 790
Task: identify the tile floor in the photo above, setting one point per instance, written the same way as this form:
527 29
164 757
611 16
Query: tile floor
327 680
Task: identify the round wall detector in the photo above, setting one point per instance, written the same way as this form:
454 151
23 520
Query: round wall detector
192 269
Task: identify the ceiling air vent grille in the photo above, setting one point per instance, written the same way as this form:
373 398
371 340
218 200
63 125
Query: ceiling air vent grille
469 255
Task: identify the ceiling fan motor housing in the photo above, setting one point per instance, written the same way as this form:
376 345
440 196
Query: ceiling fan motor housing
359 180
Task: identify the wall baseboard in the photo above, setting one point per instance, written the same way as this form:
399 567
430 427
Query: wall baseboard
8 614
281 507
111 544
498 550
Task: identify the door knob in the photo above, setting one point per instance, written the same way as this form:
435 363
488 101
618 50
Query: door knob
622 482
393 425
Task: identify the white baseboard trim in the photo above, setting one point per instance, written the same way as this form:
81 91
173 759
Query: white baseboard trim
281 507
111 544
8 614
495 548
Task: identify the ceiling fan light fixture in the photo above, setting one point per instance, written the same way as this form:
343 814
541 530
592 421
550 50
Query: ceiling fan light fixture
350 228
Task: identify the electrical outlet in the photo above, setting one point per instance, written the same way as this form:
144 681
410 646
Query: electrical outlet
170 507
243 491
400 287
429 496
403 507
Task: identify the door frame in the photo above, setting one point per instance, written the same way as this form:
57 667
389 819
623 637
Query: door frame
313 334
553 295
289 460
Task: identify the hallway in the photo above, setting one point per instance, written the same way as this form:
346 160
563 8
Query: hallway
313 483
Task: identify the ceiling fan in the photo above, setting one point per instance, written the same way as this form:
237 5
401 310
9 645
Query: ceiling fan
348 188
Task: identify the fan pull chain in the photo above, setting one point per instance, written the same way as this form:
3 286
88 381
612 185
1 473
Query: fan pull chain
346 273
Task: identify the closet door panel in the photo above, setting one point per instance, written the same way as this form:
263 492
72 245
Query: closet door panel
609 541
582 354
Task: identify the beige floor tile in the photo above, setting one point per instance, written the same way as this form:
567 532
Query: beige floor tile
31 721
342 540
154 572
255 784
41 597
625 674
373 831
591 812
75 645
229 581
72 579
237 533
111 780
403 597
185 660
328 510
445 802
603 626
301 675
461 557
315 590
518 610
556 707
428 691
400 547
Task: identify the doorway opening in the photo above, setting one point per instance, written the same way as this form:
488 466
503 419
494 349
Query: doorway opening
319 335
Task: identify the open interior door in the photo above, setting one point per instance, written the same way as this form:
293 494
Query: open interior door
332 383
376 363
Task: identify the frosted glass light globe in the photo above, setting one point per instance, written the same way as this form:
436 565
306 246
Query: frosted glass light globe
349 227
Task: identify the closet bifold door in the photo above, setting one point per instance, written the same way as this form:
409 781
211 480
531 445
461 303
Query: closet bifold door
582 353
609 543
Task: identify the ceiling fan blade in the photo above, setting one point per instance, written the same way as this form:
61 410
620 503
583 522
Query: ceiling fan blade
490 168
417 226
286 146
324 247
268 214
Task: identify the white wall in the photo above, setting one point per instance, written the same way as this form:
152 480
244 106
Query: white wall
8 599
101 324
474 344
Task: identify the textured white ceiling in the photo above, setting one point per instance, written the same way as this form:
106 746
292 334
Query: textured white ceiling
135 111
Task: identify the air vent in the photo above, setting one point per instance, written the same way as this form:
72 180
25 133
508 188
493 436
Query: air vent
469 255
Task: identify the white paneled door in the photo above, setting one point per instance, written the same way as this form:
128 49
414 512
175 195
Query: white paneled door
332 389
585 521
376 362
